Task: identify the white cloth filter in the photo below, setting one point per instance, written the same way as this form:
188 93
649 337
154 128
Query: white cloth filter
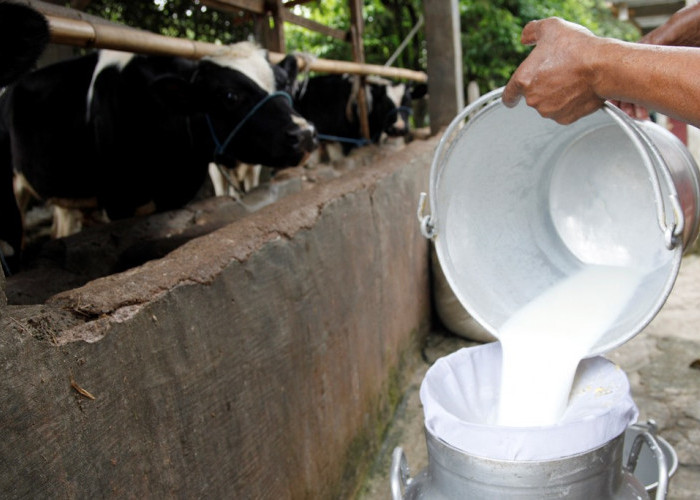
460 402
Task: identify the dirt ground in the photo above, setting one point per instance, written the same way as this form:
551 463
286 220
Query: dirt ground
663 366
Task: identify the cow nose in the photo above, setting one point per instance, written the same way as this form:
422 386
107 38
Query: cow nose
305 138
399 126
397 131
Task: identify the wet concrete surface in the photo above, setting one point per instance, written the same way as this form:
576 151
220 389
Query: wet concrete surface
662 364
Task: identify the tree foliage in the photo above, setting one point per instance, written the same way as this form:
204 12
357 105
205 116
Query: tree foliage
177 18
491 32
490 29
387 23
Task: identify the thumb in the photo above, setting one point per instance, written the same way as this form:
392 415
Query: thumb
531 32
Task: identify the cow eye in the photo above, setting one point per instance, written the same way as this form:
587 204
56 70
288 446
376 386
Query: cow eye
231 97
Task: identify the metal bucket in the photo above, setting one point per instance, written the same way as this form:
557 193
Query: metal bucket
599 473
519 202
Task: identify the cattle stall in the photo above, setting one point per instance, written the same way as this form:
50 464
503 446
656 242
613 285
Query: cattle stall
224 349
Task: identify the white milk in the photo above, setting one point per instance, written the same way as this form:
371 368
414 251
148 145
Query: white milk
544 341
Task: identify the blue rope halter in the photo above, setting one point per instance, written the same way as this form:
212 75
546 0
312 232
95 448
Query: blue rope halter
362 141
399 109
356 142
221 147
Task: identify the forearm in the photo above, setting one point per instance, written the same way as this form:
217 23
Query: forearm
666 79
682 29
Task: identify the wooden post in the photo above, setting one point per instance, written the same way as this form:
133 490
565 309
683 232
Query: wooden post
445 77
275 40
269 26
357 28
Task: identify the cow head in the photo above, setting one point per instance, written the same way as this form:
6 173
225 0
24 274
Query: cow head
248 119
391 106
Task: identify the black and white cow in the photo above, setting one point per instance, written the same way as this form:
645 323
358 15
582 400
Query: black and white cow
236 180
133 134
330 103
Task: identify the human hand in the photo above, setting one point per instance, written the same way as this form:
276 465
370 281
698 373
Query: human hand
556 78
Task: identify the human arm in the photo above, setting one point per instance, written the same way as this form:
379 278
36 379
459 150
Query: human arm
682 29
571 72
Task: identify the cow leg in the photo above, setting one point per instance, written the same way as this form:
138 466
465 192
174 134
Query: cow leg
11 232
253 178
314 158
11 228
334 151
66 221
24 193
225 181
217 179
248 176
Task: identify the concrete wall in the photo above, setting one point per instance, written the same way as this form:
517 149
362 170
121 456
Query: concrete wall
259 361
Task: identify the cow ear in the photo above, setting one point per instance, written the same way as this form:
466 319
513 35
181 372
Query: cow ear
175 93
418 90
290 65
286 74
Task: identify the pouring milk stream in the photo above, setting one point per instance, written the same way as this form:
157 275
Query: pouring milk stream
543 343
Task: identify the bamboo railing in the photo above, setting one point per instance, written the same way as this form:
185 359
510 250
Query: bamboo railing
77 29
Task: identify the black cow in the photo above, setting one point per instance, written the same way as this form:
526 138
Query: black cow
24 34
133 134
330 103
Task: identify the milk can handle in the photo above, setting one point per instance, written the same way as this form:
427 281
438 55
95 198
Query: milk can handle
648 438
400 475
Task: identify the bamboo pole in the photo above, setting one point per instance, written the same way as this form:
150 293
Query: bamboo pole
86 33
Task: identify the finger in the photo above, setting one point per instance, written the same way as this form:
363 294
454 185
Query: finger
626 107
641 113
511 93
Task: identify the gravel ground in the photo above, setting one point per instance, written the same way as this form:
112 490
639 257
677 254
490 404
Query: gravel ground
662 364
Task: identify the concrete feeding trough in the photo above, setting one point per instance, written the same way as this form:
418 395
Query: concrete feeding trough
262 359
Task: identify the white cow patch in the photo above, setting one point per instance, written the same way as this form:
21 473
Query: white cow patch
250 59
106 59
395 93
